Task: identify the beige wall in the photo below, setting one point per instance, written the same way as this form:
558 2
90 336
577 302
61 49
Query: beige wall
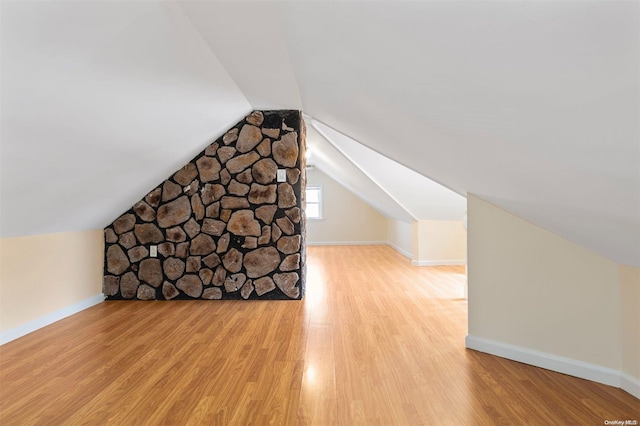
346 217
630 318
45 273
399 236
439 242
533 289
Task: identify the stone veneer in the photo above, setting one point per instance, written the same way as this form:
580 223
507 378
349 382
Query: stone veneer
224 228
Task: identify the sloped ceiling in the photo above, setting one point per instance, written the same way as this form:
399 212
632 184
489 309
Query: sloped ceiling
100 102
533 106
329 159
419 196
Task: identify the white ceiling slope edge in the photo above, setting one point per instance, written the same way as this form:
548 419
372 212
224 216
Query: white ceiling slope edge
100 102
421 197
334 164
533 106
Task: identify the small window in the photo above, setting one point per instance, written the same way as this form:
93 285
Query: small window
314 202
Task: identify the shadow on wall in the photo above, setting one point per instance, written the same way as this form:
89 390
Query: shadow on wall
228 225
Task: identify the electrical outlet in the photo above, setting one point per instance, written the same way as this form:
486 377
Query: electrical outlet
282 175
153 251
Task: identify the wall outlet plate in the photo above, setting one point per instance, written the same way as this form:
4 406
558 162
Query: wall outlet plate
153 251
282 175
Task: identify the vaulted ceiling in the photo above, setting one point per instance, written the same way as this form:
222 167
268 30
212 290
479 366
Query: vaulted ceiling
533 106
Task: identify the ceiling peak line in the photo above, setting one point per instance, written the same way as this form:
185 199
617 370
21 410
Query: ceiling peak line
462 194
367 174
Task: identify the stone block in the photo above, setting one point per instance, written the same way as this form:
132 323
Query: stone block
250 136
166 249
232 261
213 227
234 203
286 196
153 198
237 188
110 236
285 224
230 136
117 261
212 260
127 240
206 275
129 285
186 174
261 194
245 177
174 213
289 245
173 268
286 283
294 214
146 293
110 285
124 223
243 223
263 285
193 263
144 211
246 289
264 171
256 118
212 192
148 233
264 148
241 162
234 282
266 213
176 234
150 272
192 228
226 153
169 291
261 262
197 207
190 285
212 293
137 253
290 263
212 149
285 151
208 168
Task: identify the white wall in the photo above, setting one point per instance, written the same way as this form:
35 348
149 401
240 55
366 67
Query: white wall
347 219
630 318
44 276
538 298
399 236
439 242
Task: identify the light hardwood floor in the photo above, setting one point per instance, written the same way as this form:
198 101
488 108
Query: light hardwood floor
375 342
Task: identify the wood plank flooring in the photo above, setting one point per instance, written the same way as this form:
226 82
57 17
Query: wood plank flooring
375 342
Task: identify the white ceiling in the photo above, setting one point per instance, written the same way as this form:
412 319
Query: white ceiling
533 106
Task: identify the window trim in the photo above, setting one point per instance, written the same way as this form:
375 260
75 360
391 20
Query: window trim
320 202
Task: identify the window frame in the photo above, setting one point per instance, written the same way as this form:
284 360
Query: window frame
320 202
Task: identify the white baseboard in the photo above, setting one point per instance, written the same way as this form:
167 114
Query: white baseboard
630 384
346 243
399 250
569 366
46 320
438 262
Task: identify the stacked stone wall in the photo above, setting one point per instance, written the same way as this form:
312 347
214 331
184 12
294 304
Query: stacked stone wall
224 226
